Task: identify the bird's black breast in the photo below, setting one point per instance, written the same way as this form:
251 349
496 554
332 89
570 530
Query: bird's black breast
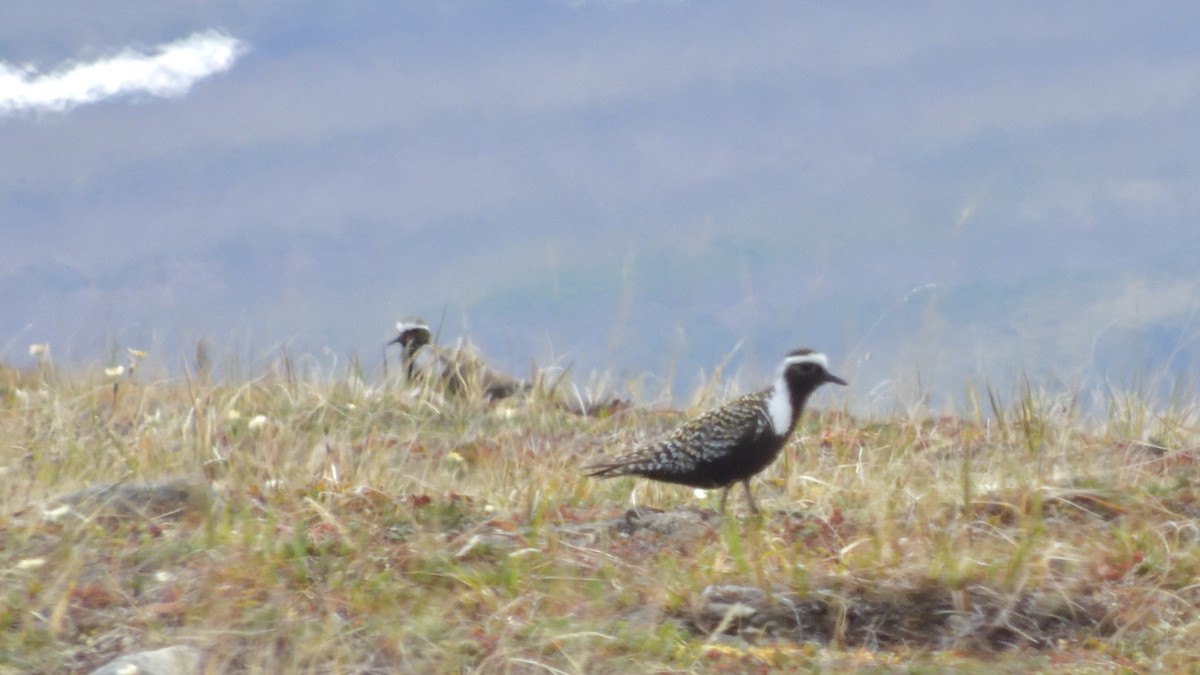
751 457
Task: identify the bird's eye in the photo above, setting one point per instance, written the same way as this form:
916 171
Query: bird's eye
808 368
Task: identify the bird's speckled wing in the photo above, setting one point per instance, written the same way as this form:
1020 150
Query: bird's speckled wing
702 439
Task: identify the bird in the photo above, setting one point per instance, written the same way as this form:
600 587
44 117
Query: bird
460 369
734 442
414 334
465 372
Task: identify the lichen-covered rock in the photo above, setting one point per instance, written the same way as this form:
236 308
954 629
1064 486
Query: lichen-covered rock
173 499
176 660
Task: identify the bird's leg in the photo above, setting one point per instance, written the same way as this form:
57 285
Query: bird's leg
724 496
749 497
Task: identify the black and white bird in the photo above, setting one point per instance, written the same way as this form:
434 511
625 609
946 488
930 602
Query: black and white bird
732 443
460 369
414 334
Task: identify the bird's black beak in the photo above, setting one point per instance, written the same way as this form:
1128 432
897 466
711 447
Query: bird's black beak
830 377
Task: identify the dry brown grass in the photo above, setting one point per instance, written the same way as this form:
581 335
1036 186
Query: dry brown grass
360 529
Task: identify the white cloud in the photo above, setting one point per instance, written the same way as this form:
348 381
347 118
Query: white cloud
169 70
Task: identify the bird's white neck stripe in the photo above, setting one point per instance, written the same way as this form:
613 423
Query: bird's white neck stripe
779 401
779 406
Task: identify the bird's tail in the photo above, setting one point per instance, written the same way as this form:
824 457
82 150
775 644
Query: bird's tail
606 470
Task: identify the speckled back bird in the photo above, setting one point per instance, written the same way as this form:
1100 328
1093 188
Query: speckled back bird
732 443
460 368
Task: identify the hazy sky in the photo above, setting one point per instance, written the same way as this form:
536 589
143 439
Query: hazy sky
929 192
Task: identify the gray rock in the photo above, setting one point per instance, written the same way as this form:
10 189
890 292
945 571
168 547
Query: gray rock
176 660
682 522
171 499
